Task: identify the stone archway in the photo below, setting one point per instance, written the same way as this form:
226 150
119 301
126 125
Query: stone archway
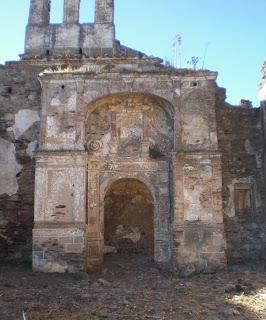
129 218
129 136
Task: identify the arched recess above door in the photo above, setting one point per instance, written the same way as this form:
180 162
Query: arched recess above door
129 124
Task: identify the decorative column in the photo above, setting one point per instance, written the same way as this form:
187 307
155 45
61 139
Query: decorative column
60 179
197 226
71 11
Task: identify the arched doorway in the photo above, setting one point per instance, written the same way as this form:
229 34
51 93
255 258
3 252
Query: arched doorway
129 218
129 139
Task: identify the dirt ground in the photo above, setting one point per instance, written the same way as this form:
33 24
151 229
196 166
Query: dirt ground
132 288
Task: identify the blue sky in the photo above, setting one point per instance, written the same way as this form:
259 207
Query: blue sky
232 30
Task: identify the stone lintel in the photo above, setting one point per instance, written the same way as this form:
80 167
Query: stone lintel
197 153
51 226
59 153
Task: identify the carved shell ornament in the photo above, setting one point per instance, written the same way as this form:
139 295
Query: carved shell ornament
94 145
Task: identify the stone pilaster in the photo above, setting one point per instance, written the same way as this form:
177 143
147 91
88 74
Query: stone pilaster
71 11
198 228
60 212
104 11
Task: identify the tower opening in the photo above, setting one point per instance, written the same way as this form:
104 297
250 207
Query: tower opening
56 11
87 11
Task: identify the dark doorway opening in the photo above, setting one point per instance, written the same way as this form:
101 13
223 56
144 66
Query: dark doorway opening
128 219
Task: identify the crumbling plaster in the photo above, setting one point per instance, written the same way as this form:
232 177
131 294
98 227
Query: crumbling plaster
9 168
24 119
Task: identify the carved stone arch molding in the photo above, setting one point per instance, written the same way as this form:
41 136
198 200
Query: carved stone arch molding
106 184
130 97
155 176
89 98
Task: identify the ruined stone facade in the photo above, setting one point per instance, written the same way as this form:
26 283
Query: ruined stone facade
130 155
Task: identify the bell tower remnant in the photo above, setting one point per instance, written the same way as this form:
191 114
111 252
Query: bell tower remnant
70 38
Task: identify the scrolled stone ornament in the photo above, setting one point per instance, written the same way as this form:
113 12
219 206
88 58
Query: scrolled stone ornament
94 145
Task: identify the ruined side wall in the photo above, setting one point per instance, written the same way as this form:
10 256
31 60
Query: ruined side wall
240 138
20 94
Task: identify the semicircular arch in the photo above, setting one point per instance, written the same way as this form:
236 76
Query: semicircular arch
127 122
107 184
89 101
